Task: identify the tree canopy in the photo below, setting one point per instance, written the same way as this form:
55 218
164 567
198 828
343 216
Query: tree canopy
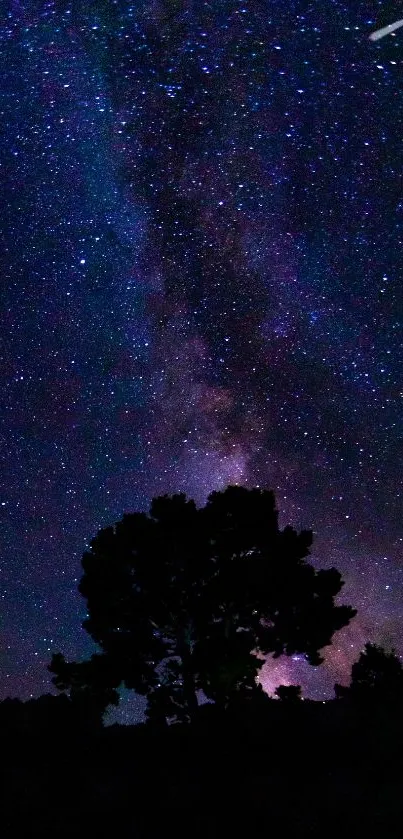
186 599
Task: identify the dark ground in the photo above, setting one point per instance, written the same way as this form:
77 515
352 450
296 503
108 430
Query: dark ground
316 770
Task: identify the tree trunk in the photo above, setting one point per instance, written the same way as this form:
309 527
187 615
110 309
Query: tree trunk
189 687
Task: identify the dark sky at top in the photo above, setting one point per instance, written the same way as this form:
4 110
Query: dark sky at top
200 284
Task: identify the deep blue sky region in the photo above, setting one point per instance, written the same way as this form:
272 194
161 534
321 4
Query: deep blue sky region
201 232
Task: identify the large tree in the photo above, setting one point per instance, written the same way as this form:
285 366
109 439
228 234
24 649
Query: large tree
185 599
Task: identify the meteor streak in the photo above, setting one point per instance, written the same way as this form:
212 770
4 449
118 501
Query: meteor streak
386 30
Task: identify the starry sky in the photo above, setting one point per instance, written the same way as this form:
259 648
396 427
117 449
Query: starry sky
201 234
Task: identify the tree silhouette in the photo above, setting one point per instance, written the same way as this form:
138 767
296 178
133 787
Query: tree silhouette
289 693
185 599
91 684
376 676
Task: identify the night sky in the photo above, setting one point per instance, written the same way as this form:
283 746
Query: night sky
201 254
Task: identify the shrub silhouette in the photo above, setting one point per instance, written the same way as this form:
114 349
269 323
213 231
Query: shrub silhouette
289 693
185 599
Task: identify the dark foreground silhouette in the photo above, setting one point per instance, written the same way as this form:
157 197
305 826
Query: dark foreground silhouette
185 600
289 768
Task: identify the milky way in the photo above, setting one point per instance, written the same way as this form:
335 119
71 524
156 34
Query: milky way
202 231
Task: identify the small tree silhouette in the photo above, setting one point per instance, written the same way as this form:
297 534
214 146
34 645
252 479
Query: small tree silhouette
289 693
92 685
377 676
185 599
